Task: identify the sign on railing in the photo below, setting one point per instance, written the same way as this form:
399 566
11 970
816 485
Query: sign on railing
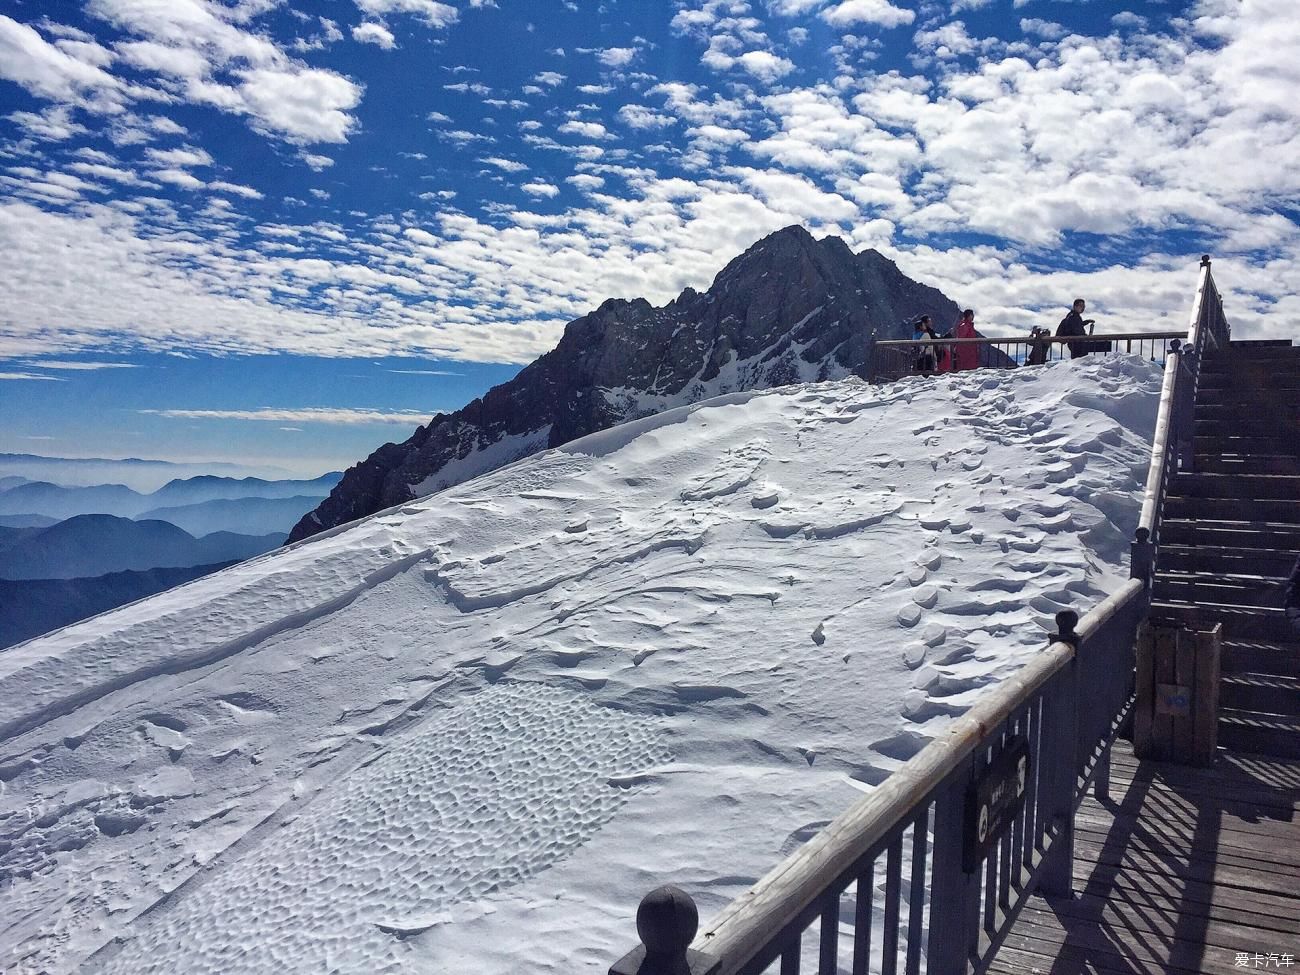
977 821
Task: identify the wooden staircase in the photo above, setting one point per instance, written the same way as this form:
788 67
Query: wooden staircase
1231 534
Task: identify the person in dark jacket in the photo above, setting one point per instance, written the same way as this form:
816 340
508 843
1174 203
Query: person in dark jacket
1039 347
927 359
1075 324
1293 599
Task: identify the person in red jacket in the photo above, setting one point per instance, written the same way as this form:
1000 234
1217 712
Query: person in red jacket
965 356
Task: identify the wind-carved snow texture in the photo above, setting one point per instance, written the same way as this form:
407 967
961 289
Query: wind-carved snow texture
408 836
668 651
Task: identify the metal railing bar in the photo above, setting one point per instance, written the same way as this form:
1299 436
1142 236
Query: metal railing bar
744 926
862 915
828 962
1025 340
990 888
790 958
916 894
893 893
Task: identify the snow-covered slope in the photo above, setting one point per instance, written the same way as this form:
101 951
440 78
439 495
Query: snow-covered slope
468 734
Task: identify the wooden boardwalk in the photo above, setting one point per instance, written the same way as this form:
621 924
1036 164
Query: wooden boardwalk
1179 871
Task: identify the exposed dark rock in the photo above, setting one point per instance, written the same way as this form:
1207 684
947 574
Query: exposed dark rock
789 309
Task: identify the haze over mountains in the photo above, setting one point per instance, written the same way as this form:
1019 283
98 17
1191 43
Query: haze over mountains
138 473
69 551
789 309
59 501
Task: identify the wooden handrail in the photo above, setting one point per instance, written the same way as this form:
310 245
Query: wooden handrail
1026 339
747 923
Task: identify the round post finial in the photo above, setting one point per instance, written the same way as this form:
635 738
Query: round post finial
1066 621
1143 535
667 920
1205 260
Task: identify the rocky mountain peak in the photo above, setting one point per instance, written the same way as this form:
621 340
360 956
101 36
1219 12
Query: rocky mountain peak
791 308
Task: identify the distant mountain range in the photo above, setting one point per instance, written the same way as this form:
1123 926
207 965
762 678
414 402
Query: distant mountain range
252 516
67 552
135 472
789 309
30 608
93 545
58 501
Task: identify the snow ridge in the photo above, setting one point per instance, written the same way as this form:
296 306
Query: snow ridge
449 736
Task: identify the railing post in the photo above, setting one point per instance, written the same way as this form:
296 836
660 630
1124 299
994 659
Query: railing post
954 893
666 921
1062 764
1141 557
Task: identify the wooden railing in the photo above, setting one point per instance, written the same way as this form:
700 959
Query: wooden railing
895 358
979 820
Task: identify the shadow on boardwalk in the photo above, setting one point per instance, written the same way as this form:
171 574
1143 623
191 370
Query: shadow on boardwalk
1178 871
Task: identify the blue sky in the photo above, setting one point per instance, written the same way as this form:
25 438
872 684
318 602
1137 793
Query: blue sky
284 232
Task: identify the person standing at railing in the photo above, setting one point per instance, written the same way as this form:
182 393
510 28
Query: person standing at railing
1075 324
1039 347
965 356
927 358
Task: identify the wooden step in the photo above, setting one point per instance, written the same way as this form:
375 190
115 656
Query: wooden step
1247 395
1241 464
1226 559
1282 356
1228 377
1257 487
1261 693
1258 536
1282 430
1227 590
1252 624
1257 657
1259 734
1257 407
1236 444
1232 509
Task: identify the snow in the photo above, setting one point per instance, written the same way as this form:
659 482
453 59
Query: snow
482 458
468 733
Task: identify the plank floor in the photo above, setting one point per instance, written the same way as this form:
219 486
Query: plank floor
1179 871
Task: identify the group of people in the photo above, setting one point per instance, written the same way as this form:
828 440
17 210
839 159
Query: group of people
936 356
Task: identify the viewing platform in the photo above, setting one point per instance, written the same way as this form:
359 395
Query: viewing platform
1179 870
1048 829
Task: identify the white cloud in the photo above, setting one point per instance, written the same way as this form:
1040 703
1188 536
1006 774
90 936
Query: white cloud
640 117
585 181
238 189
509 165
310 414
303 106
432 12
186 156
47 71
551 78
179 177
372 33
30 375
588 130
52 125
65 364
616 57
316 162
765 65
882 13
540 189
